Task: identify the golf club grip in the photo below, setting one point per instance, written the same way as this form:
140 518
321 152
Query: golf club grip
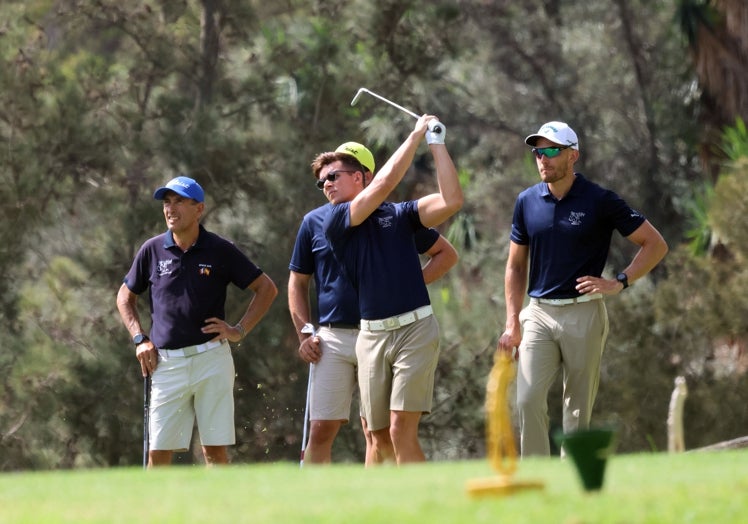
436 127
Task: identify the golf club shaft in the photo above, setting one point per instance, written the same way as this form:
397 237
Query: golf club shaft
146 418
390 102
435 127
306 416
308 328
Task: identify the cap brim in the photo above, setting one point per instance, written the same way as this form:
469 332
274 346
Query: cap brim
160 193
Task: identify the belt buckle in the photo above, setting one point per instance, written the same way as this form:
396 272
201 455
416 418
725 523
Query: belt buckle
391 323
190 351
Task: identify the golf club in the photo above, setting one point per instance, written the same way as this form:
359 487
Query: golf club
434 127
146 417
308 328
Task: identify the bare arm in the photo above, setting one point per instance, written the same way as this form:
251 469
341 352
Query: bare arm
298 305
442 257
128 311
265 292
652 249
146 353
298 301
515 286
435 208
389 176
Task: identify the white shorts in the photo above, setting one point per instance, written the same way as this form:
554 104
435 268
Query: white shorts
187 388
334 376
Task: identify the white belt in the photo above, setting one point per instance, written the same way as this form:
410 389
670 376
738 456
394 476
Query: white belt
190 351
566 301
388 324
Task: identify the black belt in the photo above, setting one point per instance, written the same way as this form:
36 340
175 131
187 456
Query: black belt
339 325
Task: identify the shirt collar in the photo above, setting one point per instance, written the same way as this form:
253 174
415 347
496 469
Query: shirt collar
169 238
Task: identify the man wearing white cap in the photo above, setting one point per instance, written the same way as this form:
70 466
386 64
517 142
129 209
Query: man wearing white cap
560 238
186 353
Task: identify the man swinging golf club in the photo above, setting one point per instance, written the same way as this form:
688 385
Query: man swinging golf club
331 353
397 348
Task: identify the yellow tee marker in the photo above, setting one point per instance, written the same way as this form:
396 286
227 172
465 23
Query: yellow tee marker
501 449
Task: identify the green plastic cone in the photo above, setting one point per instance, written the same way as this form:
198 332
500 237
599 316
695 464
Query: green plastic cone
589 449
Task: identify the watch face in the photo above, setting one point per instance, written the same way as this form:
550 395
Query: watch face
139 339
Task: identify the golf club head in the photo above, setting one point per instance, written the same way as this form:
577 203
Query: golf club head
358 95
309 329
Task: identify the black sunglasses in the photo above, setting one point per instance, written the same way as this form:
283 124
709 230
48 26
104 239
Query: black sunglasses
332 176
549 152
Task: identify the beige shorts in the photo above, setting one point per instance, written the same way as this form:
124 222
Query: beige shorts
185 389
334 376
396 370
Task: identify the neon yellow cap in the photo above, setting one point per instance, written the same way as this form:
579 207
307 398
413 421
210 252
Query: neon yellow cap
359 152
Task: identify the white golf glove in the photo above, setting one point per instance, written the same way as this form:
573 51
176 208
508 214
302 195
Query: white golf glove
436 133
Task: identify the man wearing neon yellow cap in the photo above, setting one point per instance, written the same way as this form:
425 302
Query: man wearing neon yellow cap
331 352
398 345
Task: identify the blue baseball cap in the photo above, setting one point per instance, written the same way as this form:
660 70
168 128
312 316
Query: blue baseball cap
181 185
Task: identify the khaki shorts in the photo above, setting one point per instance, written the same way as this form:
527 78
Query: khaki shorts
334 376
184 389
396 370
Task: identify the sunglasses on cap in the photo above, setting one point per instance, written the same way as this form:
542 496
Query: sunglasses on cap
549 152
332 176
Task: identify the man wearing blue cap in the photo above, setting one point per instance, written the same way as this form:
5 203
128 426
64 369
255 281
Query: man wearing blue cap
561 233
186 353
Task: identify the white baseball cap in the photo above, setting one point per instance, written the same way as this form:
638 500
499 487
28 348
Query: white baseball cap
557 132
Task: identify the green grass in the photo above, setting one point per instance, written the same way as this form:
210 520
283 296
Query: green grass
646 488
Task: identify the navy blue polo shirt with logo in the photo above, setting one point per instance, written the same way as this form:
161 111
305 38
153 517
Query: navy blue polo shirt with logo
337 298
568 238
380 258
186 288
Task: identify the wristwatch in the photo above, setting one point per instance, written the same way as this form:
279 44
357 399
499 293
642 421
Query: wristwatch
139 339
623 279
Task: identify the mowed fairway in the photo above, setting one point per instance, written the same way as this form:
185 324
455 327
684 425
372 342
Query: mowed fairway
654 488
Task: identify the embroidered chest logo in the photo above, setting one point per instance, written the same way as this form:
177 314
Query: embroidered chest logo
205 269
575 218
385 222
164 267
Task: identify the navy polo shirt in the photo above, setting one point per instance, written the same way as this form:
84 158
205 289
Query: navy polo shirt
380 258
337 298
187 287
568 238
